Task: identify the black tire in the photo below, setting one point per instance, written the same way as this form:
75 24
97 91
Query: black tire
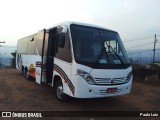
26 74
58 90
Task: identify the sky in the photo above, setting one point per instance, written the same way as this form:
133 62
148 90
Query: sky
132 19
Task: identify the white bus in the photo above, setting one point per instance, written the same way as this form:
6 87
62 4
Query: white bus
79 60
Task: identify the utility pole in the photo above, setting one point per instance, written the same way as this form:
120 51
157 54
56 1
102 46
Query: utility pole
155 40
140 58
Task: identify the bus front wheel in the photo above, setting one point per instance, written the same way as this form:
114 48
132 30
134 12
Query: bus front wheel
60 95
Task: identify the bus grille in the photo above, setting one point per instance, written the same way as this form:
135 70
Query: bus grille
110 81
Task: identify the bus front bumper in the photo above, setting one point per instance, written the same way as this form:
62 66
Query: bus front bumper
85 90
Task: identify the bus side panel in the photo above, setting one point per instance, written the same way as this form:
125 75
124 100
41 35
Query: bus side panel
30 62
63 69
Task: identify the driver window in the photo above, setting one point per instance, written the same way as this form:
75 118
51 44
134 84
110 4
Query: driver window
64 53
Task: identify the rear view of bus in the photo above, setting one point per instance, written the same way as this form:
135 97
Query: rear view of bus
102 68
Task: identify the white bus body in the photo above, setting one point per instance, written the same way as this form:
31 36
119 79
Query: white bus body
77 59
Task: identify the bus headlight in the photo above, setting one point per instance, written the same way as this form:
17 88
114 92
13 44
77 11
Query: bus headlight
128 78
89 79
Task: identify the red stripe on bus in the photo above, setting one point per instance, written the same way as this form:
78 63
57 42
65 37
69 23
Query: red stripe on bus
64 79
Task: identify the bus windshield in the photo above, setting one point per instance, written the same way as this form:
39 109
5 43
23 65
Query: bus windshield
97 46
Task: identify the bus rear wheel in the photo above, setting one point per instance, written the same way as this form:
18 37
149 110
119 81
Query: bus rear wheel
60 95
26 74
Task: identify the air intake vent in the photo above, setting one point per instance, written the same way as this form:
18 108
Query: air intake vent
110 81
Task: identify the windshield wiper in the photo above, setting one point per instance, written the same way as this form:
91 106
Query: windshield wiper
102 51
115 53
109 50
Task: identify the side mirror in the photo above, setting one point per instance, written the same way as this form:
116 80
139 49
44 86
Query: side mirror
61 40
62 29
32 39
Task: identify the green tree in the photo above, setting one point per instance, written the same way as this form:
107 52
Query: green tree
14 59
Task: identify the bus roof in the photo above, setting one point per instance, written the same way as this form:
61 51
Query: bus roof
68 23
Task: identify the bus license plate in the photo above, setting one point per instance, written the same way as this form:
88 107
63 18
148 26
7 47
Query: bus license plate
111 90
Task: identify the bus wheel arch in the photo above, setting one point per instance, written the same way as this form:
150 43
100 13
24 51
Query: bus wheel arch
56 78
58 89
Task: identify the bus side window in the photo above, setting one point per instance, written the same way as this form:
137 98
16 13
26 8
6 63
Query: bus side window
64 51
61 40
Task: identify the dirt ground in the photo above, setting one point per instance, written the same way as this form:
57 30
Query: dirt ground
19 94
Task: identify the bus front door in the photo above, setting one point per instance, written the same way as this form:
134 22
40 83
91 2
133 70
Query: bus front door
50 54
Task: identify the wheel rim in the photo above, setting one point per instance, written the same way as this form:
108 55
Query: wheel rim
59 91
